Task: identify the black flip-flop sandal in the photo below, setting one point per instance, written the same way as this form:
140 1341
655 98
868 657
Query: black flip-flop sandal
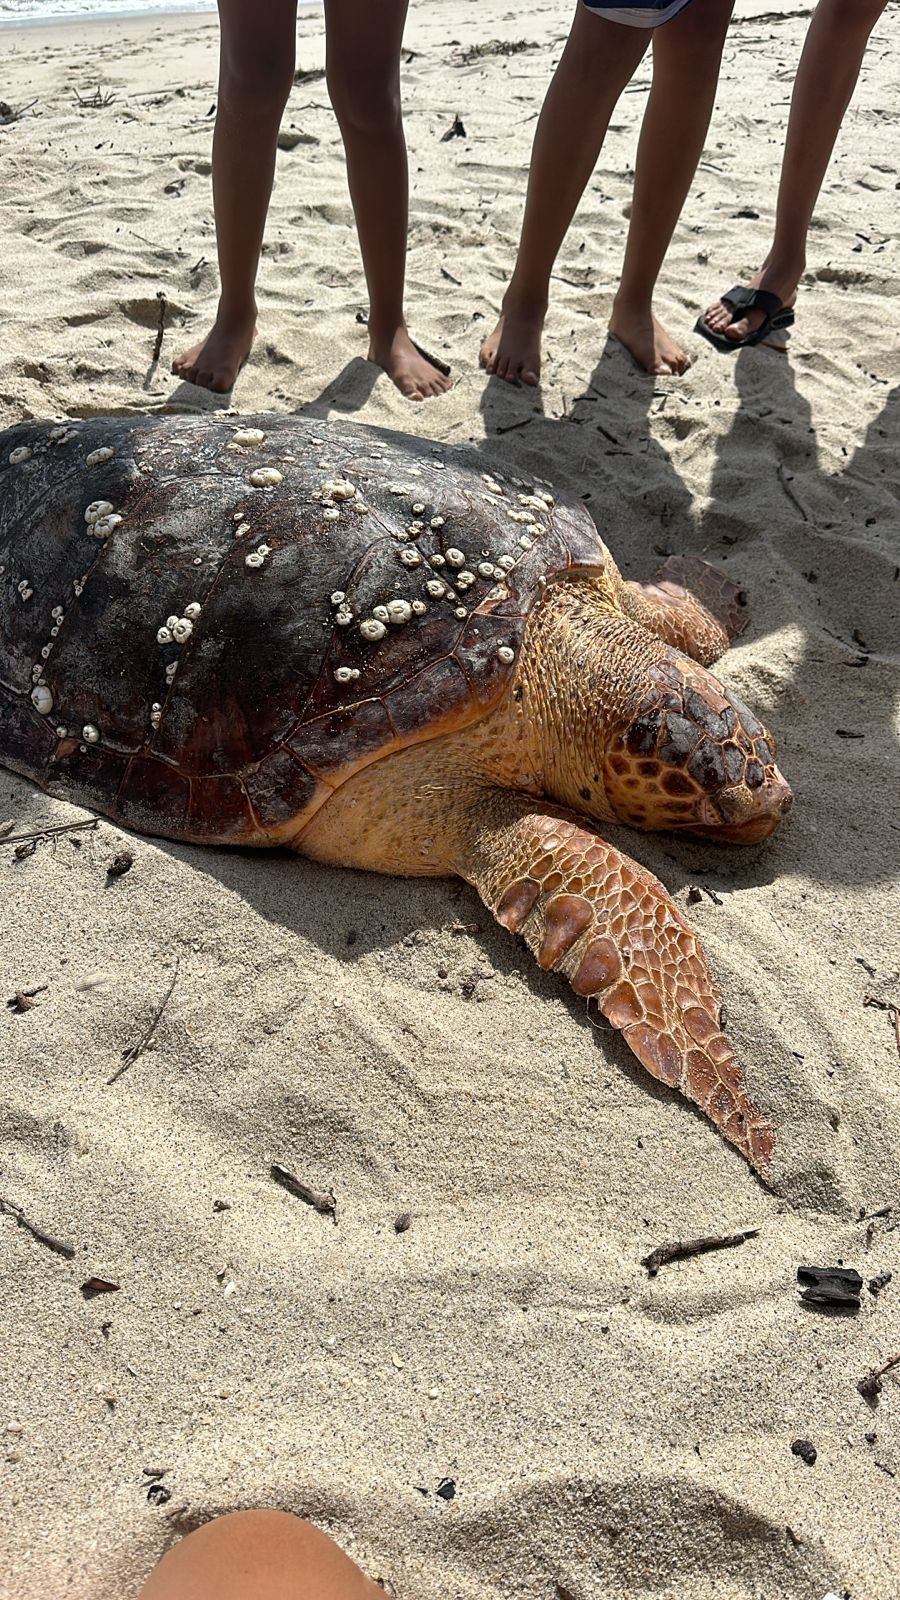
739 301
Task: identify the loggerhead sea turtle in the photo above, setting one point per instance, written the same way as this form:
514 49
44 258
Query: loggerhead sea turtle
277 631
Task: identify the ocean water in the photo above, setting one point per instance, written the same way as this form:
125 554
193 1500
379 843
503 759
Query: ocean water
12 11
16 11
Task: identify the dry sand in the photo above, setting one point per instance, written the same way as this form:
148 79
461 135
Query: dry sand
607 1435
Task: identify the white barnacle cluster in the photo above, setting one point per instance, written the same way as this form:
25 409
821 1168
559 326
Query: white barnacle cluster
177 630
246 438
97 457
265 477
104 526
334 493
102 518
343 614
90 734
20 455
494 487
256 558
155 715
410 556
400 489
396 612
506 654
63 433
346 674
24 589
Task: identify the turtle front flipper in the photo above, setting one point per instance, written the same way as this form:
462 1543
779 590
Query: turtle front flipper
692 606
586 910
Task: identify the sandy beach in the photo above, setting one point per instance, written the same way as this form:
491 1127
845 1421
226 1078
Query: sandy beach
498 1400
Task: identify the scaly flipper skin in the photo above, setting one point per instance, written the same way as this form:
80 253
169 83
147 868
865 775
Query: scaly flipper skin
586 910
693 606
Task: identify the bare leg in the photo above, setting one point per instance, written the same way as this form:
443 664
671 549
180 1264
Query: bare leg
266 1555
363 62
826 78
686 55
598 60
256 70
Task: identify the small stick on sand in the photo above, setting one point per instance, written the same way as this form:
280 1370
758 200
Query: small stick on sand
130 1055
797 504
317 1198
45 833
675 1249
870 1386
160 324
58 1245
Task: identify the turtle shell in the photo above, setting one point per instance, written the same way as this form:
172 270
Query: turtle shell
208 624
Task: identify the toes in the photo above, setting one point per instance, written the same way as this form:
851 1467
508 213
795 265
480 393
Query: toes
531 377
737 330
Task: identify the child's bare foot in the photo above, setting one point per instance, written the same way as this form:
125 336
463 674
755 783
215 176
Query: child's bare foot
646 339
406 367
513 350
215 362
780 281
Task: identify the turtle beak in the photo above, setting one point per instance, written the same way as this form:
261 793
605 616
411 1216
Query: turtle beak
740 815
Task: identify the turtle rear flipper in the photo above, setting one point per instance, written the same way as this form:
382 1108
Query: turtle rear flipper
693 606
586 910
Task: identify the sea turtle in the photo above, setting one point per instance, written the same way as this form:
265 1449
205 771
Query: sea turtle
278 631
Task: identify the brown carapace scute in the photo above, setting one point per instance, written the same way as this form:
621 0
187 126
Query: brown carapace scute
275 630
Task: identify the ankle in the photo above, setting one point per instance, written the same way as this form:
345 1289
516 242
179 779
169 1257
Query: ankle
384 330
636 303
236 311
528 302
784 271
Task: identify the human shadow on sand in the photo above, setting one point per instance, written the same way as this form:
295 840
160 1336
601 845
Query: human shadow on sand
820 543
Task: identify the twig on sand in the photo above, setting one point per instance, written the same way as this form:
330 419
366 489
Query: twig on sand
321 1201
795 502
163 305
97 100
675 1249
130 1055
57 1245
45 833
10 114
870 1386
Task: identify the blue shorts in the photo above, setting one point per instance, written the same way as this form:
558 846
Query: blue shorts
646 16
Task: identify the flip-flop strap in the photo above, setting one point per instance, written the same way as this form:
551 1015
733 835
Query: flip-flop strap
742 299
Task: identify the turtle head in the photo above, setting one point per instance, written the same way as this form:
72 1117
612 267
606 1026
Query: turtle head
692 757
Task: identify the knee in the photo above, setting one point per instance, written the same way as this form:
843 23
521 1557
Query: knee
364 107
852 19
257 81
